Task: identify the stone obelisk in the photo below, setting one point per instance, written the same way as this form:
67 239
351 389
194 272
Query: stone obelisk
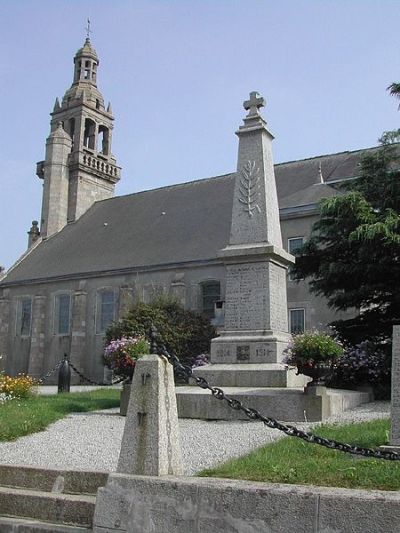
256 324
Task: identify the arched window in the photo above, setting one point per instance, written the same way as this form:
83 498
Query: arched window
106 306
103 140
89 135
210 293
72 130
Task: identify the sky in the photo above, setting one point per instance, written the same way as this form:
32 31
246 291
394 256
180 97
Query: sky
177 73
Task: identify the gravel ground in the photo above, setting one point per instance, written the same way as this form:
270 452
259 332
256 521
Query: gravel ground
91 441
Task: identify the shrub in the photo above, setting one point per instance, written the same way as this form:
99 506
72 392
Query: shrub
312 348
183 332
120 355
17 387
365 363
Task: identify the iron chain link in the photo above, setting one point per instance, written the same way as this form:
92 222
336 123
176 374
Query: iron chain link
186 372
50 372
97 383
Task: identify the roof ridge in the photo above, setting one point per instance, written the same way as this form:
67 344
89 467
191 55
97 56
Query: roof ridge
328 155
164 187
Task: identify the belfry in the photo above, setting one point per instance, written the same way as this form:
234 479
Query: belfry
79 168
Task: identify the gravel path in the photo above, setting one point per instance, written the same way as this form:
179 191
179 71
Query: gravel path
91 441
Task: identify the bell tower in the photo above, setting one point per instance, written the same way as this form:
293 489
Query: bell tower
79 168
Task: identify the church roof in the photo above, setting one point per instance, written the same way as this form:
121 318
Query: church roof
170 225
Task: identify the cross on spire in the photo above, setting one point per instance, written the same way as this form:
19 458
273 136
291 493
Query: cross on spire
87 28
253 104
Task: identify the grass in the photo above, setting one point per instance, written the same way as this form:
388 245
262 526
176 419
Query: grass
23 417
292 460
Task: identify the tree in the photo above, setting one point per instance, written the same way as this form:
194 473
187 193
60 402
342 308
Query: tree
353 255
394 90
185 333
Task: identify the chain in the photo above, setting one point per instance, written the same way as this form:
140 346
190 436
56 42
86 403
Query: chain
97 383
43 378
187 372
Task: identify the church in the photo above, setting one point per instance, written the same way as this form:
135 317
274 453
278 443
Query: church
93 255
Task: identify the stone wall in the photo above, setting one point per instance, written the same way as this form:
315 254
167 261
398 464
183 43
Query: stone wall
139 504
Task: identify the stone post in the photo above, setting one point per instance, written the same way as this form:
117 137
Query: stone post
78 331
36 353
150 444
4 329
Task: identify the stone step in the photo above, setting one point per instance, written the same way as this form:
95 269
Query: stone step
52 480
20 525
69 509
285 404
251 375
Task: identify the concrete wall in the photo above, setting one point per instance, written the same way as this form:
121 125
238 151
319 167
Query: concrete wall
138 504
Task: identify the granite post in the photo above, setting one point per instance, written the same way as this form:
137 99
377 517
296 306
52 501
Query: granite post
256 324
150 443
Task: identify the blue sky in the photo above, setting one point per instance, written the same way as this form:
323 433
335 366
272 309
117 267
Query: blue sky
177 72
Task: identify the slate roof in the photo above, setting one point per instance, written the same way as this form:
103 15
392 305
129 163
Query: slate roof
169 225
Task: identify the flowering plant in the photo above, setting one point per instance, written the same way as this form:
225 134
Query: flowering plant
120 355
364 363
20 386
312 349
200 360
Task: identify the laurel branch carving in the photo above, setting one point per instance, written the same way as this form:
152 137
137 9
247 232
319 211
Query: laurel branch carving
249 188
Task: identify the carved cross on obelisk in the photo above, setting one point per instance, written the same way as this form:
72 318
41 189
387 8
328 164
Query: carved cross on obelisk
254 103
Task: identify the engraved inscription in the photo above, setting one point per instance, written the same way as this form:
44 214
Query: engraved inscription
247 297
242 353
264 352
222 353
249 188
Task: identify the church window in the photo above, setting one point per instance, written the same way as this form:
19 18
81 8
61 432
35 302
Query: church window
103 140
89 134
294 245
24 317
62 314
210 293
72 130
297 320
105 312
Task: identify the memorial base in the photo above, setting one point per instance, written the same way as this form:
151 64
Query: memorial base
251 375
242 347
285 404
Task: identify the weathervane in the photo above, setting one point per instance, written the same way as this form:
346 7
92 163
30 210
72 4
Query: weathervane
87 28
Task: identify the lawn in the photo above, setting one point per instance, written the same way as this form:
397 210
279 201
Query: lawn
291 460
22 417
